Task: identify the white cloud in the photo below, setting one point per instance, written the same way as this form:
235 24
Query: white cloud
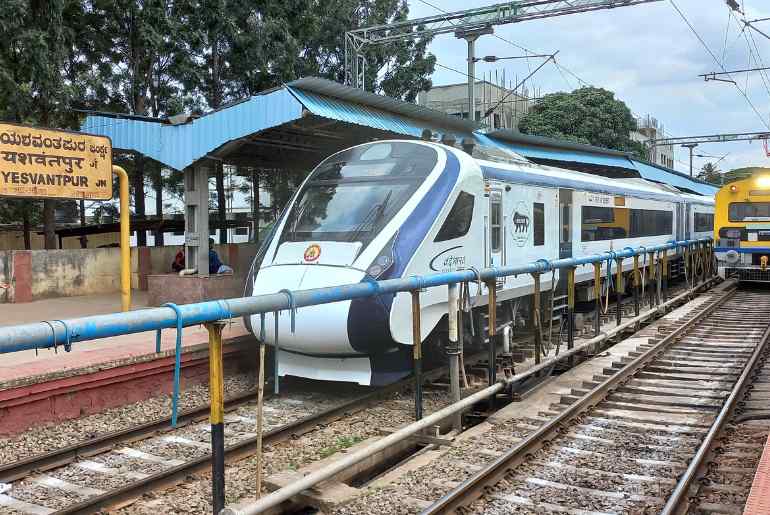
648 56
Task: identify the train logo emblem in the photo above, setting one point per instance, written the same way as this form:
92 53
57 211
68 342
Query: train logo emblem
312 253
521 222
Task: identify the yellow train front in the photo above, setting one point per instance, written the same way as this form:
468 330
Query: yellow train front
742 229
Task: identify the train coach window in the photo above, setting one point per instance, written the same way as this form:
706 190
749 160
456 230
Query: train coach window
538 212
352 195
458 222
751 211
608 223
704 222
495 224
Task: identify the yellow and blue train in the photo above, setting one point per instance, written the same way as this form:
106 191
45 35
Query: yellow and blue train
742 229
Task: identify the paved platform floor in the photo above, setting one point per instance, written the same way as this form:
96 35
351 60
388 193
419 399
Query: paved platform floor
759 498
87 354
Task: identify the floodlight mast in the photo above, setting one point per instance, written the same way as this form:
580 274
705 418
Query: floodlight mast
468 24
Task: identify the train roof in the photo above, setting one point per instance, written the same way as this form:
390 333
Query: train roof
520 170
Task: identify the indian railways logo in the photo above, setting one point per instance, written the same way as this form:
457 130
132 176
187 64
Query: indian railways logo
312 253
520 227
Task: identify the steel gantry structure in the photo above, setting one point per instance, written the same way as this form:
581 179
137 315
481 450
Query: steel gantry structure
712 138
468 24
690 142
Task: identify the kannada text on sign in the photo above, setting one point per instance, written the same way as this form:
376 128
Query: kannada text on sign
54 164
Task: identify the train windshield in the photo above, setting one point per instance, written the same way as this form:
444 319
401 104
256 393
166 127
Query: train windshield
353 194
749 212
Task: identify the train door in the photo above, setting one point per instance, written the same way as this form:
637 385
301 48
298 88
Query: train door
565 224
682 221
496 236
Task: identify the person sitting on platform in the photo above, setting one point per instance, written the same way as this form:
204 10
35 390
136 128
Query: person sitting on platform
178 264
215 265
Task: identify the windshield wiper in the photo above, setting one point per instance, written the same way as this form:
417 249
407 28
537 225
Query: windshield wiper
373 216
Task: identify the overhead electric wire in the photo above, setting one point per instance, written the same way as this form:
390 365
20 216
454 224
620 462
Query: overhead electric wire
757 59
515 45
521 97
719 63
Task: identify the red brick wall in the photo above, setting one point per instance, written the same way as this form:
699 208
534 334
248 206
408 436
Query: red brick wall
22 276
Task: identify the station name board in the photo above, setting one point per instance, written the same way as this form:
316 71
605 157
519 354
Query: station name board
46 163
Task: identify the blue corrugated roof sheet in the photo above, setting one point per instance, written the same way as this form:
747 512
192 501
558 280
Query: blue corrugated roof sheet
344 111
653 173
178 146
556 154
610 158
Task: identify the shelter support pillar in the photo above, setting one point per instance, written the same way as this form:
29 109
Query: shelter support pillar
196 214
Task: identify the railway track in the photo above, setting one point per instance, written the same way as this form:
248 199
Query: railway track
114 469
618 445
117 468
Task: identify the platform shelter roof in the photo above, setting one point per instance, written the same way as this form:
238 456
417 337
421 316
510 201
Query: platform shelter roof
591 159
294 125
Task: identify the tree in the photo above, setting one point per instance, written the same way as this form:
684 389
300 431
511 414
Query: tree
587 115
274 42
711 174
33 50
138 55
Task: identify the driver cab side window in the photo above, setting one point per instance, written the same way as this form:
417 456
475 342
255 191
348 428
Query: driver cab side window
458 222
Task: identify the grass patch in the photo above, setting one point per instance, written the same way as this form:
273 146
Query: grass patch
342 442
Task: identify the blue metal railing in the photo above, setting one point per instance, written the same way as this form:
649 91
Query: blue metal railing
44 335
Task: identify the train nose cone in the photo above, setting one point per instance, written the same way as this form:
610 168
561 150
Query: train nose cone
319 329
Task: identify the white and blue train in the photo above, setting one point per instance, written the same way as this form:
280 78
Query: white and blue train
392 209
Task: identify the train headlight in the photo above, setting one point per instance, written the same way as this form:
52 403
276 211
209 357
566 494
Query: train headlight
763 181
384 261
732 257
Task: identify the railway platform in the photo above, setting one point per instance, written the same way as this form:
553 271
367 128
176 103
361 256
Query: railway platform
46 386
17 366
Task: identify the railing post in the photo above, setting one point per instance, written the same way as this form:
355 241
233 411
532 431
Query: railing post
664 279
651 268
637 281
537 317
453 351
570 306
598 297
492 331
217 395
619 291
260 401
417 354
276 355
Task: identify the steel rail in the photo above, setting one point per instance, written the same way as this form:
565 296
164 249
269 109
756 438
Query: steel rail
239 450
59 457
315 477
679 500
473 488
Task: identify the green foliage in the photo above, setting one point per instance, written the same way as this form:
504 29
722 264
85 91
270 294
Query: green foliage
587 115
710 174
743 173
163 57
342 442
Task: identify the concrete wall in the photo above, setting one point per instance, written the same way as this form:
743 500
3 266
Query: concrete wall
27 275
67 273
14 240
5 277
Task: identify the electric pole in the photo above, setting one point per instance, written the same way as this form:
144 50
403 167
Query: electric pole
691 146
468 24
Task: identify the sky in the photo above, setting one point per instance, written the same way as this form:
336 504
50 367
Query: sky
649 57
